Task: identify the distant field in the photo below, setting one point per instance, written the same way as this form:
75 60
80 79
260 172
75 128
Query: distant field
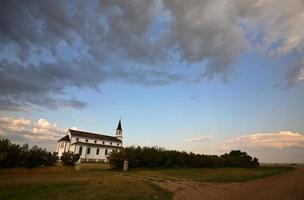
226 175
97 181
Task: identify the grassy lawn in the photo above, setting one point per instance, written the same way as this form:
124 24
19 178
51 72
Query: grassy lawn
226 175
92 181
97 181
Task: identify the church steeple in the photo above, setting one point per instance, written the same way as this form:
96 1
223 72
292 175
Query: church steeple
118 133
119 126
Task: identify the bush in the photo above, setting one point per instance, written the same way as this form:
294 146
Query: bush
69 158
13 155
36 157
159 157
237 158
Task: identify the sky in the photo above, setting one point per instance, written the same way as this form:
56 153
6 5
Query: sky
197 76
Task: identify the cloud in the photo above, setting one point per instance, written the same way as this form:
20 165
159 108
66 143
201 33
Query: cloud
199 139
260 141
47 47
43 85
20 130
296 74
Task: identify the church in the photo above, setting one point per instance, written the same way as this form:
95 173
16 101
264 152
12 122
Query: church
91 146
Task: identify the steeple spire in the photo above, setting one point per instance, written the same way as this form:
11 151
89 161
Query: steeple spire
119 126
118 133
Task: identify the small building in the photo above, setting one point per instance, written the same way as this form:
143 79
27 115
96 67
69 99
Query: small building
90 146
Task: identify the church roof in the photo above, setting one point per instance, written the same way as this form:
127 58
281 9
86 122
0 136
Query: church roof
119 126
77 133
65 138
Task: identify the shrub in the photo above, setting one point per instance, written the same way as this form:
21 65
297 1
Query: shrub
159 157
69 158
13 155
36 157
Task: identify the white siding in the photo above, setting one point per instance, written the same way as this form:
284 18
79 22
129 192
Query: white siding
64 146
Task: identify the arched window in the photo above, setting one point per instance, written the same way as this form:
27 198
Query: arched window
88 150
97 151
106 152
80 150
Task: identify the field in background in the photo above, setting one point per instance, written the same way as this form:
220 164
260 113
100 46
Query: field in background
224 175
97 181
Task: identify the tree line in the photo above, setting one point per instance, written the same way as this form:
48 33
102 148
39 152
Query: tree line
14 155
160 157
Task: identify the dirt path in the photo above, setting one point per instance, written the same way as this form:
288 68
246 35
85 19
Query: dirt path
287 186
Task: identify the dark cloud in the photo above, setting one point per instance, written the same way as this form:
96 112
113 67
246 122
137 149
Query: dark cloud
32 85
47 46
8 104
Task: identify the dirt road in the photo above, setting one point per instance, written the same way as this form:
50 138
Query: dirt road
287 186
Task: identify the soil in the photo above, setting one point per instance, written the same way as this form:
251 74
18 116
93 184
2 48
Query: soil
287 186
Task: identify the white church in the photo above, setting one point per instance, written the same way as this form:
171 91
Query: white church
90 146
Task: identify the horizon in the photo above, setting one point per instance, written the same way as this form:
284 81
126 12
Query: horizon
197 76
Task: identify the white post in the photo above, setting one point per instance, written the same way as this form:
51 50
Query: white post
125 166
77 166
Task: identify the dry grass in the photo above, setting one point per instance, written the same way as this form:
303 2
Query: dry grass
92 181
43 170
97 181
227 175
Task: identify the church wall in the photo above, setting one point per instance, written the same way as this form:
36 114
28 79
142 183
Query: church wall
92 141
63 146
93 156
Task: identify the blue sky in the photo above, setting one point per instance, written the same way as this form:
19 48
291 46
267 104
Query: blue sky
178 76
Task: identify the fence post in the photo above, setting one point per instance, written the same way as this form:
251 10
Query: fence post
125 165
77 166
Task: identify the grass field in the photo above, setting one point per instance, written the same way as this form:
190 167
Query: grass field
92 181
226 175
97 181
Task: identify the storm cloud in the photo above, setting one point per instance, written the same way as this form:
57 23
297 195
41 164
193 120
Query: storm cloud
47 46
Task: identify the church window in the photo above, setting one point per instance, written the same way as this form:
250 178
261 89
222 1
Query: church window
117 144
88 150
80 150
97 151
77 139
106 152
87 140
95 141
102 142
110 143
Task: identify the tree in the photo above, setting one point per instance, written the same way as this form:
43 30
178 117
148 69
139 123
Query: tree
159 157
13 155
69 158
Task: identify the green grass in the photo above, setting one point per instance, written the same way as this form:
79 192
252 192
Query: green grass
97 181
226 175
